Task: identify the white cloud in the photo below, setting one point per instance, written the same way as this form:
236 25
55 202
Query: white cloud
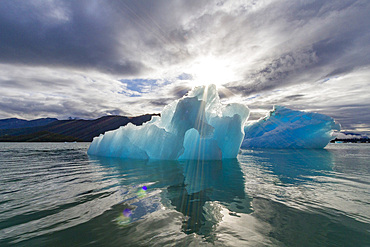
69 58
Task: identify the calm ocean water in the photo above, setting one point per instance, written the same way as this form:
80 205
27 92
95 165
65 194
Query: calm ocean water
54 194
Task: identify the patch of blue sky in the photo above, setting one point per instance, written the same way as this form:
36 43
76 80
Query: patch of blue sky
130 94
139 85
327 79
253 97
185 76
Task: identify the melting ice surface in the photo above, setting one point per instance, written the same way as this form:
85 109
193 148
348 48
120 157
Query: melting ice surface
197 126
285 128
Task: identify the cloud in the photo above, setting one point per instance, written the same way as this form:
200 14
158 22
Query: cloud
89 58
349 136
342 98
79 34
313 42
40 92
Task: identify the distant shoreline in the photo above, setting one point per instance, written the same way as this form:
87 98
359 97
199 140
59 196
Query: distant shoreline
353 140
74 130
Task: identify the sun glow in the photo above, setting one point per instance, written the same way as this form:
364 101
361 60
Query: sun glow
210 70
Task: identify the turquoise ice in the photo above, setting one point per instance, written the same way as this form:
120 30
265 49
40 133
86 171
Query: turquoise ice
286 128
197 126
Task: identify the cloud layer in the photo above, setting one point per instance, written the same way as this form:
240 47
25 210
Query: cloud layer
91 58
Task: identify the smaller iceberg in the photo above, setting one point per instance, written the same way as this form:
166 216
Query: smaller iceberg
286 128
197 126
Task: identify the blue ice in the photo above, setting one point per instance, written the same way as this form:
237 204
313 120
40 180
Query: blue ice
286 128
197 126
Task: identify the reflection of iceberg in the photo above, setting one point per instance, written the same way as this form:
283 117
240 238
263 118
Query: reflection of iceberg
292 165
285 128
193 188
197 126
205 185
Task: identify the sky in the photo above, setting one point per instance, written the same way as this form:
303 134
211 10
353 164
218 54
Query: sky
87 59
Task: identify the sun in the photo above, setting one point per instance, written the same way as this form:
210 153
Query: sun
210 70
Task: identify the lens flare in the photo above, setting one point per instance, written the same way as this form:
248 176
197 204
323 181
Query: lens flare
141 193
124 218
127 212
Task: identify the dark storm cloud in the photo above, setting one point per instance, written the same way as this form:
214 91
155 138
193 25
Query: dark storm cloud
351 116
30 109
337 44
275 74
18 106
180 91
106 35
161 102
296 96
72 37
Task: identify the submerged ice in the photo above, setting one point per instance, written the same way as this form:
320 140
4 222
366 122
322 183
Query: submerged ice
286 128
197 126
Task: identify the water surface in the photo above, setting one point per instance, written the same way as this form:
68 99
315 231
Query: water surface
54 194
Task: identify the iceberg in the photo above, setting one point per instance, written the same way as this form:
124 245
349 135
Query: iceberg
197 126
286 128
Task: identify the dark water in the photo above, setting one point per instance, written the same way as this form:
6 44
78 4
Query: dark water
54 194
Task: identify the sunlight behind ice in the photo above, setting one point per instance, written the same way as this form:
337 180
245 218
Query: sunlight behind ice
210 70
197 126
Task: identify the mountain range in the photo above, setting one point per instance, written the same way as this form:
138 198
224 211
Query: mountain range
54 130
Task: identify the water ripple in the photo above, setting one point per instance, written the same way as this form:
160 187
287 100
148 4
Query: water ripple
55 195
